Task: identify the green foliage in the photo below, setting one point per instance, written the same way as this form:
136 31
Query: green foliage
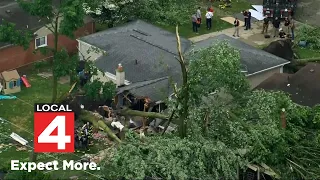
40 8
214 69
9 34
97 90
73 15
172 158
310 35
168 12
33 175
64 65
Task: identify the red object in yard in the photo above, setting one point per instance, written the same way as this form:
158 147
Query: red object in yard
25 81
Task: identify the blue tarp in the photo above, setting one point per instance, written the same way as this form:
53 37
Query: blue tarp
2 97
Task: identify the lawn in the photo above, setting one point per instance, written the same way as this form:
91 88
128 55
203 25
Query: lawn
186 29
237 6
304 53
19 113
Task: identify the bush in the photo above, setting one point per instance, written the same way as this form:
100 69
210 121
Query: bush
24 175
310 35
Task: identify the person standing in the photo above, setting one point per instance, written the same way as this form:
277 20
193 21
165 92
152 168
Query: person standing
194 23
209 16
248 24
198 14
287 25
236 24
265 25
245 16
276 26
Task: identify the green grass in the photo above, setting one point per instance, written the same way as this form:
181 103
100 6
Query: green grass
186 29
237 6
304 53
20 113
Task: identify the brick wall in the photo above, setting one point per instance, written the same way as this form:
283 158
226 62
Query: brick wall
13 57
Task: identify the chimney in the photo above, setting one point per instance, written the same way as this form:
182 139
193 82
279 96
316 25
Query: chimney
283 118
120 76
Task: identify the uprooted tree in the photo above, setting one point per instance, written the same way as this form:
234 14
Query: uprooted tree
226 126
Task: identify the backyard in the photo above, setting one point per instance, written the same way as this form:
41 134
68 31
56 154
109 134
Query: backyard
185 30
19 114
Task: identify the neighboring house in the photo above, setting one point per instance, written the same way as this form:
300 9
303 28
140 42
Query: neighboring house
257 64
12 57
10 81
302 86
148 52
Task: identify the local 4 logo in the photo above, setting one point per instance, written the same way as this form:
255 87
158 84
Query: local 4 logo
53 128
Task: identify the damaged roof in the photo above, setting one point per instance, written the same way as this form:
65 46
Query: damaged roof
11 12
156 89
145 51
302 86
252 59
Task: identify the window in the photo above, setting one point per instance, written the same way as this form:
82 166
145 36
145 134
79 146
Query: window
41 42
14 84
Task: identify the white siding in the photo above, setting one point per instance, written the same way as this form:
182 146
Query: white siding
256 79
88 51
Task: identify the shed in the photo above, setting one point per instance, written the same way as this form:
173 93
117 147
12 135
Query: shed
10 81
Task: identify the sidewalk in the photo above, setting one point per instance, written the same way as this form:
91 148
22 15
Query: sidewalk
252 37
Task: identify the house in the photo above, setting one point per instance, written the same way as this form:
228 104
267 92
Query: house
10 81
258 65
135 94
147 52
12 57
302 86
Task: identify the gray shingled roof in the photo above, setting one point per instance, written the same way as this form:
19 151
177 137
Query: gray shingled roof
302 86
145 51
252 59
17 16
156 90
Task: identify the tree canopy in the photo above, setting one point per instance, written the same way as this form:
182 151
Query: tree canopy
156 11
230 128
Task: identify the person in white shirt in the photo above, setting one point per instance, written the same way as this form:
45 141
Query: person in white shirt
209 16
198 14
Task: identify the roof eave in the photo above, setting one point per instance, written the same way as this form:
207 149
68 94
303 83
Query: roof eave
267 69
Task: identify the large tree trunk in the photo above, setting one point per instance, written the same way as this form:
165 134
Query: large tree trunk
98 123
55 79
184 96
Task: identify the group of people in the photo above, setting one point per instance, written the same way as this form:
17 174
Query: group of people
197 17
278 31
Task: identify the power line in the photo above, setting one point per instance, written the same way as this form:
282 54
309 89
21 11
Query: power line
55 159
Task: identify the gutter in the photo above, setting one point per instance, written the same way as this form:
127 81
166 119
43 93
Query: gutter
268 69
